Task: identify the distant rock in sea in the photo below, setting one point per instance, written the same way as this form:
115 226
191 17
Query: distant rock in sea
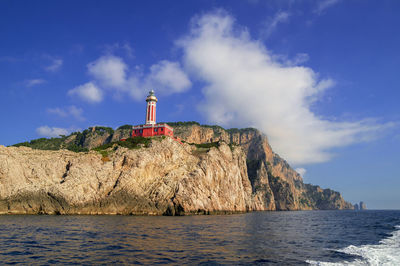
363 206
356 207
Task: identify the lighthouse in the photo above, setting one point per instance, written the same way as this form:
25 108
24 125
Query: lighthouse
151 128
151 108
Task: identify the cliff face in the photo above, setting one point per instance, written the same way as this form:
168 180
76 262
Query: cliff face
275 185
166 178
240 173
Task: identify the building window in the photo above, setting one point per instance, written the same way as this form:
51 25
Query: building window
162 129
141 131
155 130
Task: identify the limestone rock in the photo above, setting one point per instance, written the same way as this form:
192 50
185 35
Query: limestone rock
167 178
241 174
275 185
121 134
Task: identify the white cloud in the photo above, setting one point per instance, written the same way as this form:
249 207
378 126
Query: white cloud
168 77
165 77
247 87
57 111
110 71
88 92
70 111
323 5
34 82
51 132
272 23
126 48
55 64
76 112
300 58
301 171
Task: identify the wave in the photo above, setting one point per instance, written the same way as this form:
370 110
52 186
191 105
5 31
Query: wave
384 253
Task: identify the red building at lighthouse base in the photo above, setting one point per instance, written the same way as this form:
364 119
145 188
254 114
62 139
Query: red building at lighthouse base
150 130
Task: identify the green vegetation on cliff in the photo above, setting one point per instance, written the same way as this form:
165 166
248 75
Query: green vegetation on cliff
74 142
216 128
43 143
130 143
184 124
240 130
204 147
52 144
125 127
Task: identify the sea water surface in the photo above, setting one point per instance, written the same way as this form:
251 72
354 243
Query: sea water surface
289 238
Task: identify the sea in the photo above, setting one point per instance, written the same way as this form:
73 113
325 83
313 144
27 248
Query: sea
370 237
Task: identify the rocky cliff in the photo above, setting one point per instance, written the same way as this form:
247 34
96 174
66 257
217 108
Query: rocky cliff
165 178
273 181
215 170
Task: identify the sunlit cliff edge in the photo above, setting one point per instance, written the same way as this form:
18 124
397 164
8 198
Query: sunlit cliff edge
230 171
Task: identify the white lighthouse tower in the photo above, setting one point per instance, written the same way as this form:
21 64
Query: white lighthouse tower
151 108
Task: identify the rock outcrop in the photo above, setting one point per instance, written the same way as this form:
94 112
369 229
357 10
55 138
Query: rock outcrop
275 184
237 172
166 178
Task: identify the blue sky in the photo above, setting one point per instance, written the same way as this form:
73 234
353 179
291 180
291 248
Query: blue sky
320 78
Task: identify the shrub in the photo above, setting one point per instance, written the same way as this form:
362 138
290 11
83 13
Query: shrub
240 130
232 146
214 127
125 127
43 143
204 147
75 148
207 145
100 130
130 143
187 123
104 153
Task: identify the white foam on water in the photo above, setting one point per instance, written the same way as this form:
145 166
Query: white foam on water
387 252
